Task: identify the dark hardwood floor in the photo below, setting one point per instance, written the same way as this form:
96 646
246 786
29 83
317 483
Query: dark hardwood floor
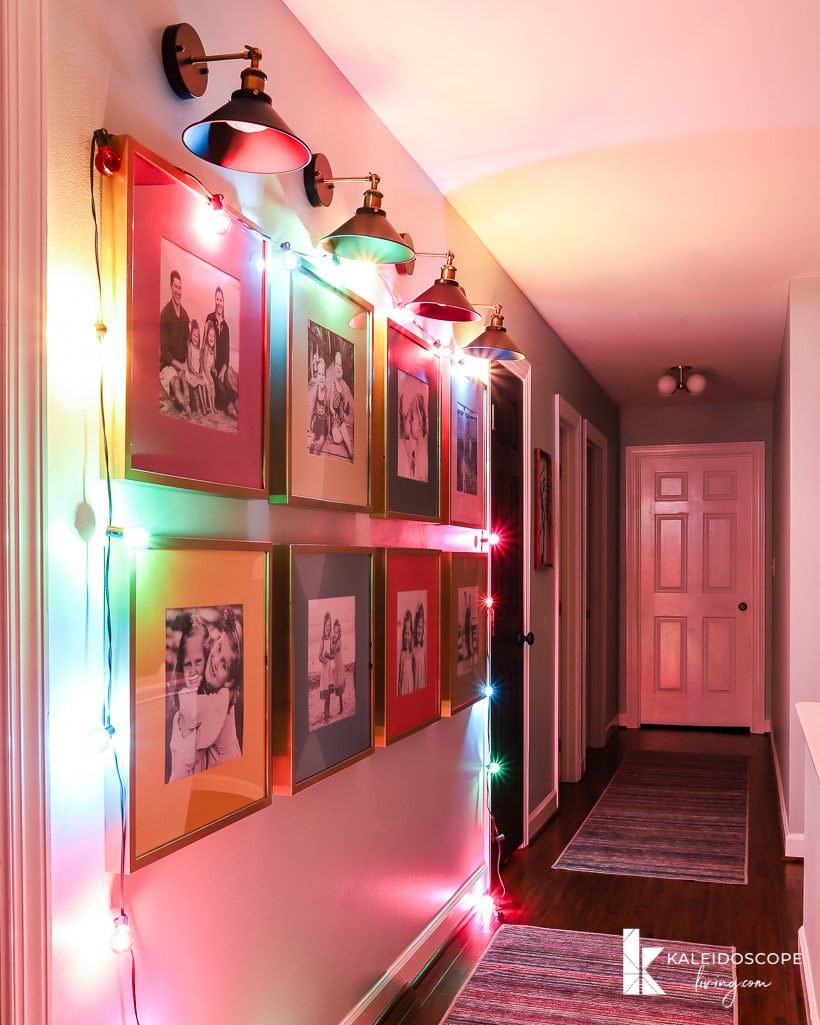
762 916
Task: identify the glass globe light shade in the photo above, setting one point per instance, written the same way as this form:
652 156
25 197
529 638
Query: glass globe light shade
667 385
695 384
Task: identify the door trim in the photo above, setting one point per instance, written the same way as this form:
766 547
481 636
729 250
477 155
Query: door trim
24 842
570 623
596 602
522 369
635 455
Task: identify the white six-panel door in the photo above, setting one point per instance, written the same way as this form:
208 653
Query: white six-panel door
695 617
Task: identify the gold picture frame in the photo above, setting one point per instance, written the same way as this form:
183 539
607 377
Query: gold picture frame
464 630
467 451
323 688
408 642
187 342
200 693
320 387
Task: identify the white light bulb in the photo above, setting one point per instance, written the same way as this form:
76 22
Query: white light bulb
221 221
247 127
121 938
98 739
485 906
291 260
402 315
136 537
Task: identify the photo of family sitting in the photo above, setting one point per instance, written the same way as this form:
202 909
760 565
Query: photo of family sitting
411 607
467 629
331 660
414 428
330 410
466 450
198 356
203 689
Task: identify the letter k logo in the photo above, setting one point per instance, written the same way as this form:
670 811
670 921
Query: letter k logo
637 979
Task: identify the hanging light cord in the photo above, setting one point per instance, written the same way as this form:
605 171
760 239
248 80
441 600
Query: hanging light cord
100 138
497 837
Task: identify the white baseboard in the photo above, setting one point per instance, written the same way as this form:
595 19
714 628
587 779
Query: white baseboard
540 816
807 976
794 844
412 961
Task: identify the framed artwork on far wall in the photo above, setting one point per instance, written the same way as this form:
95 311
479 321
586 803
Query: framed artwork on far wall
320 386
200 751
407 428
543 516
408 695
188 325
323 687
468 461
464 630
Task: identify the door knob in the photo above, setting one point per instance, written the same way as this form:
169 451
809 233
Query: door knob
523 638
743 606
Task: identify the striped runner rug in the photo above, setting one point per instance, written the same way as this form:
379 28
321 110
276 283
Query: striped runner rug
669 816
531 976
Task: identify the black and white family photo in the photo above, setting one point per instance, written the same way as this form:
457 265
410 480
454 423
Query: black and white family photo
203 688
198 341
466 450
411 618
331 660
414 428
468 611
330 393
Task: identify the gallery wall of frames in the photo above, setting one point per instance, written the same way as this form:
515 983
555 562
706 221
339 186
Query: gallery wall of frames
259 669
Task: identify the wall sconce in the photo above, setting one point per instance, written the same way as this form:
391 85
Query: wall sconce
367 235
246 134
493 342
680 378
445 299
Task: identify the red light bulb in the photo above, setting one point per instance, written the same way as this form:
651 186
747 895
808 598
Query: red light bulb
107 161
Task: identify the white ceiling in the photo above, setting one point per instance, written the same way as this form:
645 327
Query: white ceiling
647 171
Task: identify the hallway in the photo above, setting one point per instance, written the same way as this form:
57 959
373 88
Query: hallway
763 916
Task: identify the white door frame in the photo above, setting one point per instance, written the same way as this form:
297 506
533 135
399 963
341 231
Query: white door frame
570 624
635 455
597 552
522 369
24 898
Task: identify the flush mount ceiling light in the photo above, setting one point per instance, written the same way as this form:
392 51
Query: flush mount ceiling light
246 134
367 235
493 342
681 378
445 299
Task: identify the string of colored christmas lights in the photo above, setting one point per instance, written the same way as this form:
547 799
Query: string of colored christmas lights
106 161
494 768
101 160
